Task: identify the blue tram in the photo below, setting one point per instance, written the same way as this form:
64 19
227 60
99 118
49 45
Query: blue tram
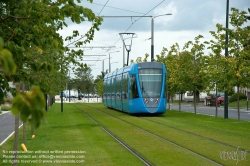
138 88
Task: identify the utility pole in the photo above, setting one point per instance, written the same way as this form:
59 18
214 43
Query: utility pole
226 55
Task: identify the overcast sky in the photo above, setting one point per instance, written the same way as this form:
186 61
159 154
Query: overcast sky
189 19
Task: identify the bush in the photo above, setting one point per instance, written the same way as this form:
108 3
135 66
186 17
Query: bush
5 108
233 98
8 100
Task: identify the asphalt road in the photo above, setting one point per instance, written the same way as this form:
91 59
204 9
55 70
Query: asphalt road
207 110
7 124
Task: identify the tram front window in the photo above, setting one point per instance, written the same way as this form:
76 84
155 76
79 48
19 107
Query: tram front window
150 82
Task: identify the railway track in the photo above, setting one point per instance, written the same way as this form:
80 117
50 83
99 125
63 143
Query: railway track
148 132
197 135
136 154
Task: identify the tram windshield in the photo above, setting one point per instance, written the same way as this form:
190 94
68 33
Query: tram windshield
150 82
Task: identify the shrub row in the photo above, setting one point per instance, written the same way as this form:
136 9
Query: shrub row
234 97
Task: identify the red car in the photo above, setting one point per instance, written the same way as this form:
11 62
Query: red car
220 100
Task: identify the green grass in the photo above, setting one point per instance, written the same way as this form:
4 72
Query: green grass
205 135
72 130
242 103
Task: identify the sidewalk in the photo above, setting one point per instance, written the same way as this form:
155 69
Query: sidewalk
200 105
83 100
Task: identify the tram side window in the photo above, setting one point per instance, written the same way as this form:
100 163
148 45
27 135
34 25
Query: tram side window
165 90
125 86
108 85
118 79
133 87
105 89
113 87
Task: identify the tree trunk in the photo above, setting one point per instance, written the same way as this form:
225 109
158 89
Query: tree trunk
16 133
179 102
16 140
24 134
24 124
216 105
194 99
169 101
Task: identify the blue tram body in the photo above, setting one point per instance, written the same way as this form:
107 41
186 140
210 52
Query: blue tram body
138 88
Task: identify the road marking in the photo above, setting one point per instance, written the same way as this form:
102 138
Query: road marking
9 136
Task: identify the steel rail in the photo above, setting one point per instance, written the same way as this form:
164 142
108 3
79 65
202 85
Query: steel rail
146 162
164 139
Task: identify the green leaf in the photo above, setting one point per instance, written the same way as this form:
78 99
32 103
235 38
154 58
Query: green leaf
8 61
1 43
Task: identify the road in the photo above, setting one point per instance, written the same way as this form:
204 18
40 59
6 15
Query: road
7 123
207 110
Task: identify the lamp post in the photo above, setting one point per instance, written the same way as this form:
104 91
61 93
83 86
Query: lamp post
226 55
103 64
128 45
152 28
152 34
109 59
110 66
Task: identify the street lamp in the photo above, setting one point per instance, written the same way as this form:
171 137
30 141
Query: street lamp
129 45
109 58
226 55
152 34
152 29
103 64
110 66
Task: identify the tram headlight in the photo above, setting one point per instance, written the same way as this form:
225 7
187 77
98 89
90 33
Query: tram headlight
156 100
146 100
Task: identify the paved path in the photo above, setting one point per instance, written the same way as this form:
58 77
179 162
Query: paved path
7 126
207 110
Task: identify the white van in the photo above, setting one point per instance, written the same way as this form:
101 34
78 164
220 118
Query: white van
189 96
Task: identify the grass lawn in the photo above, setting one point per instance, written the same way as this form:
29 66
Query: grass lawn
71 131
205 135
242 103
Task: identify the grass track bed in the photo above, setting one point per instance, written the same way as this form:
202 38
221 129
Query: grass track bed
158 152
204 146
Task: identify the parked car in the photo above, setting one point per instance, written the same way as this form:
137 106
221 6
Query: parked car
64 95
81 95
221 99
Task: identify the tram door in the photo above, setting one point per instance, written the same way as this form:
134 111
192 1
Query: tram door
125 92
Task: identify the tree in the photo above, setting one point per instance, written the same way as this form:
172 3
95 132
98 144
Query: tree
197 83
30 29
99 81
239 55
214 68
164 58
231 71
84 79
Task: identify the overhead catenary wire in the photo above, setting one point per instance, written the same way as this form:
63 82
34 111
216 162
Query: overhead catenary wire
139 19
134 21
131 17
113 7
103 7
